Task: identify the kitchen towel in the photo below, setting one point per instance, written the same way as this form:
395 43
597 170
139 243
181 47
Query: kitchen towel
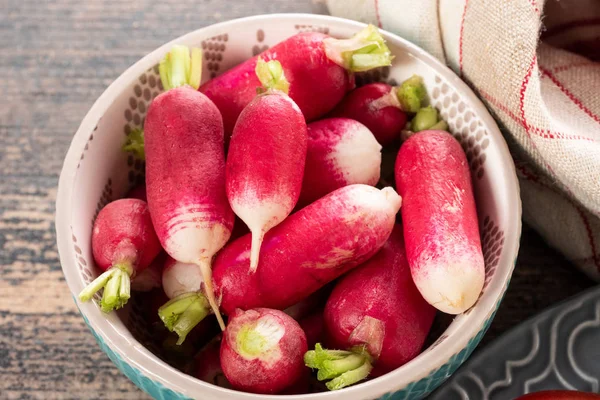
534 63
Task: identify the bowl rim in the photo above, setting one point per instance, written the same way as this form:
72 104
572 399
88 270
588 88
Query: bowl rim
152 367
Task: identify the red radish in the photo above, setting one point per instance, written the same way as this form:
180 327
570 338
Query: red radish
208 369
151 277
185 169
341 152
123 244
309 249
208 362
179 278
377 308
181 282
137 192
185 314
560 395
262 350
382 108
370 105
266 157
318 67
440 221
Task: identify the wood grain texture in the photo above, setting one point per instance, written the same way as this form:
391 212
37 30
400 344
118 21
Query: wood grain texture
56 58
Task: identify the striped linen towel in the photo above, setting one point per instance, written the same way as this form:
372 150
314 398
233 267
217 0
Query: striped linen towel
535 65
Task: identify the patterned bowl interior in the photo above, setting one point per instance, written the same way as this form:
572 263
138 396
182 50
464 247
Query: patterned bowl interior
104 173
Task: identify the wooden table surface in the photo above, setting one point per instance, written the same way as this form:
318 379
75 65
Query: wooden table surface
56 58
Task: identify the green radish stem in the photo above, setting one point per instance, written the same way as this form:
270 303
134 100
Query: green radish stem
412 94
271 76
181 66
408 97
135 144
116 282
428 118
182 313
344 368
365 50
350 377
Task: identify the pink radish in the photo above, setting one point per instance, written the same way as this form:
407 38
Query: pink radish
181 283
266 157
185 169
341 152
377 309
382 108
123 244
309 249
262 350
440 221
318 67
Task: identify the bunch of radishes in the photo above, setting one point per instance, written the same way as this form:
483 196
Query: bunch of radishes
307 195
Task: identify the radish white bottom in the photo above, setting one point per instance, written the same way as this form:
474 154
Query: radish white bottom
452 288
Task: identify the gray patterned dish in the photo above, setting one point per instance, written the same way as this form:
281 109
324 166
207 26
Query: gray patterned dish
96 171
557 349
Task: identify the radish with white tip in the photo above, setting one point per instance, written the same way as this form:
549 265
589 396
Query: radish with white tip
185 168
265 162
262 350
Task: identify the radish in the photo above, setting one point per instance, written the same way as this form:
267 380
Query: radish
123 244
382 108
262 350
186 308
341 152
318 67
440 221
376 309
185 168
309 249
181 283
266 157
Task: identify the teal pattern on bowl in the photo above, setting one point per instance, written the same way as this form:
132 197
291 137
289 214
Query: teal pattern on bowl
413 391
155 389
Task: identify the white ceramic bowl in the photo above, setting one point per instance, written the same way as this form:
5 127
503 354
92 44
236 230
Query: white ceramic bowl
96 171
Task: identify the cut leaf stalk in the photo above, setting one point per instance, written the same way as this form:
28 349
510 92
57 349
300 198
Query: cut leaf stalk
181 66
116 282
183 313
364 51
